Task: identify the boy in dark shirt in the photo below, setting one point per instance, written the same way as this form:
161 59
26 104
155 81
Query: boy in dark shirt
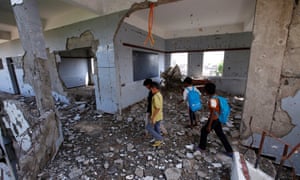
213 121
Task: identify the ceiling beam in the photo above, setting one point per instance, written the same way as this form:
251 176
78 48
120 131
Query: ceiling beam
5 35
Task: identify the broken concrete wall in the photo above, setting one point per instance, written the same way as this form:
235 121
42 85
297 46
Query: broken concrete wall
25 88
238 50
35 56
35 138
103 29
265 67
134 91
273 88
58 91
74 63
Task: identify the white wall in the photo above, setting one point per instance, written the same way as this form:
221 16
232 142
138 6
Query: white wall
133 91
5 85
103 29
74 71
235 72
236 61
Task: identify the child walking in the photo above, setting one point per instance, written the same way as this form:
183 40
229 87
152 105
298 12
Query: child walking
147 83
213 121
188 87
156 114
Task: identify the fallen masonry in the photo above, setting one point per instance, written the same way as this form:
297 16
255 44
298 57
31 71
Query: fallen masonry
104 146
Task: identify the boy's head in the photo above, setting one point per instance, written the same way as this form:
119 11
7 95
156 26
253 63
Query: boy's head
154 87
187 81
147 83
210 88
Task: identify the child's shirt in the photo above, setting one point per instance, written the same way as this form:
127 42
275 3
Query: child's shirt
185 93
214 107
157 103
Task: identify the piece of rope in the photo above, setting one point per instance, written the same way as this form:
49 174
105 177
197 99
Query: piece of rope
150 23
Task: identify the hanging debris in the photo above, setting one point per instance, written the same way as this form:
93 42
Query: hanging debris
150 24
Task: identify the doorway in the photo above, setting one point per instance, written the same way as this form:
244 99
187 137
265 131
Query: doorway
13 76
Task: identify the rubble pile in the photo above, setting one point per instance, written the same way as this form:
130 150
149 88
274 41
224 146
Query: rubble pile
171 78
105 146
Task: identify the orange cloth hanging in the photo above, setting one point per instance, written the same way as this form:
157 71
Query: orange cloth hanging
150 23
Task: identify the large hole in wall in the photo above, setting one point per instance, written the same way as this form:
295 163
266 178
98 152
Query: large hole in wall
77 64
76 67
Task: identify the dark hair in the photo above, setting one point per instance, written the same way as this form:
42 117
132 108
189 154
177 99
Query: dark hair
147 82
210 88
188 80
155 85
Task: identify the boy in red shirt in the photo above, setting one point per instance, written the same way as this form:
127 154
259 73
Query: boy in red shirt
213 121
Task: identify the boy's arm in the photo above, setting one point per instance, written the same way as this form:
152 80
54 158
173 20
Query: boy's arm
212 104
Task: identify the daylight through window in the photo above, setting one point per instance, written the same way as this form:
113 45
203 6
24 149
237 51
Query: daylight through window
213 63
181 59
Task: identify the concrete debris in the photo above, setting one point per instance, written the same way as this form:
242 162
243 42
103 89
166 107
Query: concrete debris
148 178
171 78
201 174
173 174
190 147
75 172
139 172
172 73
115 146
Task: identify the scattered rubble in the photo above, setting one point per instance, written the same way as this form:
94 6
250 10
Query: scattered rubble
104 146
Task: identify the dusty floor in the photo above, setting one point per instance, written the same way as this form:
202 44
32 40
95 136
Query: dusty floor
104 146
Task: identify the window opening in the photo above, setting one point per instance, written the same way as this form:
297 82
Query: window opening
213 63
181 59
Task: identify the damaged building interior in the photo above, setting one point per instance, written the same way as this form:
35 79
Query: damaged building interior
73 102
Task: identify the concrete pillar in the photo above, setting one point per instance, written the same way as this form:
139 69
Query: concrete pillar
195 64
107 79
167 60
35 64
272 20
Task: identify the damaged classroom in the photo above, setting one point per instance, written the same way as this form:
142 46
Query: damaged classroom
73 103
